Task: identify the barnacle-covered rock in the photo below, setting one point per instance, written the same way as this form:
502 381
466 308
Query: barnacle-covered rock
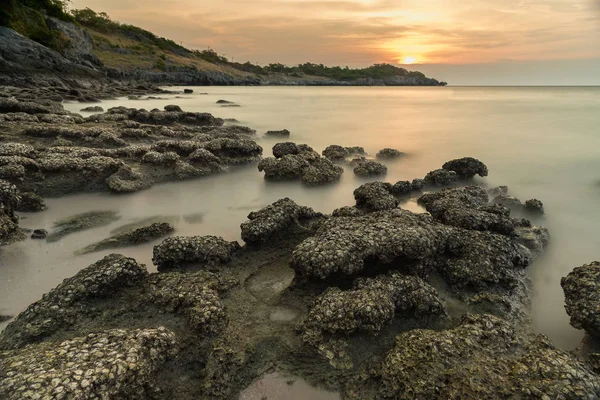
119 364
196 295
97 135
356 150
286 167
30 202
498 190
466 167
582 297
182 147
58 162
234 151
321 171
402 187
534 206
440 177
13 172
418 184
483 358
204 158
184 170
284 133
375 196
179 250
508 201
17 149
336 152
369 168
131 237
65 304
164 159
285 148
389 154
9 202
126 180
343 244
172 107
171 117
81 222
467 208
12 105
274 218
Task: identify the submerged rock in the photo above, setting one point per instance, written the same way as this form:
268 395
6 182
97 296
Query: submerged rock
483 358
389 154
180 250
467 167
369 168
375 196
81 222
275 218
131 238
64 305
582 297
117 363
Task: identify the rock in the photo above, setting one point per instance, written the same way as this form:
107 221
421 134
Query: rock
4 318
375 196
171 108
483 358
205 161
500 190
467 167
273 219
65 304
356 150
284 168
120 363
93 109
131 237
278 134
389 154
224 102
176 251
9 222
17 149
188 91
370 168
39 234
81 222
534 206
126 180
402 188
336 152
508 201
234 151
163 159
321 171
440 177
31 202
582 297
467 208
12 105
286 148
418 184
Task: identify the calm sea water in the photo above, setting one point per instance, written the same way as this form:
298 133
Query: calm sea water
541 142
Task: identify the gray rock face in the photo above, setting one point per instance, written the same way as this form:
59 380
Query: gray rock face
375 196
389 154
369 168
117 363
81 46
272 219
440 177
131 237
63 305
467 208
467 167
180 250
483 358
582 297
284 149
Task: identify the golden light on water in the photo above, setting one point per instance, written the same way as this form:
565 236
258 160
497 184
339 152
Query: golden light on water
409 60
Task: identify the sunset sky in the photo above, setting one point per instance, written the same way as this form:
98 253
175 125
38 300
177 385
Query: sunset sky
463 42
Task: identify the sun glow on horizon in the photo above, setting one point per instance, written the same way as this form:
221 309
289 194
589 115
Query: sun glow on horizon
409 60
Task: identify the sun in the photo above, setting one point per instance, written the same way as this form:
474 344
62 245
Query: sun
409 60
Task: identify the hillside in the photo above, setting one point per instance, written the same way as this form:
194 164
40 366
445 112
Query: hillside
126 52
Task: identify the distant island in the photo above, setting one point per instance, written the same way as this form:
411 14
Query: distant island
55 42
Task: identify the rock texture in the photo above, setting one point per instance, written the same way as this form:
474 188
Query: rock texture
582 297
180 250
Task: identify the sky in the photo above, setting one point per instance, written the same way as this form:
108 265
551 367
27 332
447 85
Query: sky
466 42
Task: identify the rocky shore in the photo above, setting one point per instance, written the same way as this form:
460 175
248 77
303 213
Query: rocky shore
372 301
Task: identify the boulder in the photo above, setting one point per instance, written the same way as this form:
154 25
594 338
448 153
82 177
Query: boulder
467 167
172 107
402 188
188 91
321 171
284 168
278 134
284 149
39 234
534 206
375 196
31 202
441 177
336 152
389 154
370 168
582 297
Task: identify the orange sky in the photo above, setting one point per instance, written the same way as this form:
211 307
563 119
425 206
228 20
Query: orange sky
363 32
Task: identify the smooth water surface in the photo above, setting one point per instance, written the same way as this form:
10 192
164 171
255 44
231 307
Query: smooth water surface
541 142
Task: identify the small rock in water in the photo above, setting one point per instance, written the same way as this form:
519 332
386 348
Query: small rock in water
81 222
224 102
535 206
39 234
282 133
172 107
466 167
370 168
389 154
188 91
93 109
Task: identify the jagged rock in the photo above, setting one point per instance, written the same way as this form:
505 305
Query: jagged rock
31 202
534 206
65 304
286 148
172 107
440 177
370 168
483 358
81 222
179 250
389 154
39 234
467 208
375 196
126 180
582 297
321 171
278 134
336 152
93 109
131 237
467 167
117 363
277 217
